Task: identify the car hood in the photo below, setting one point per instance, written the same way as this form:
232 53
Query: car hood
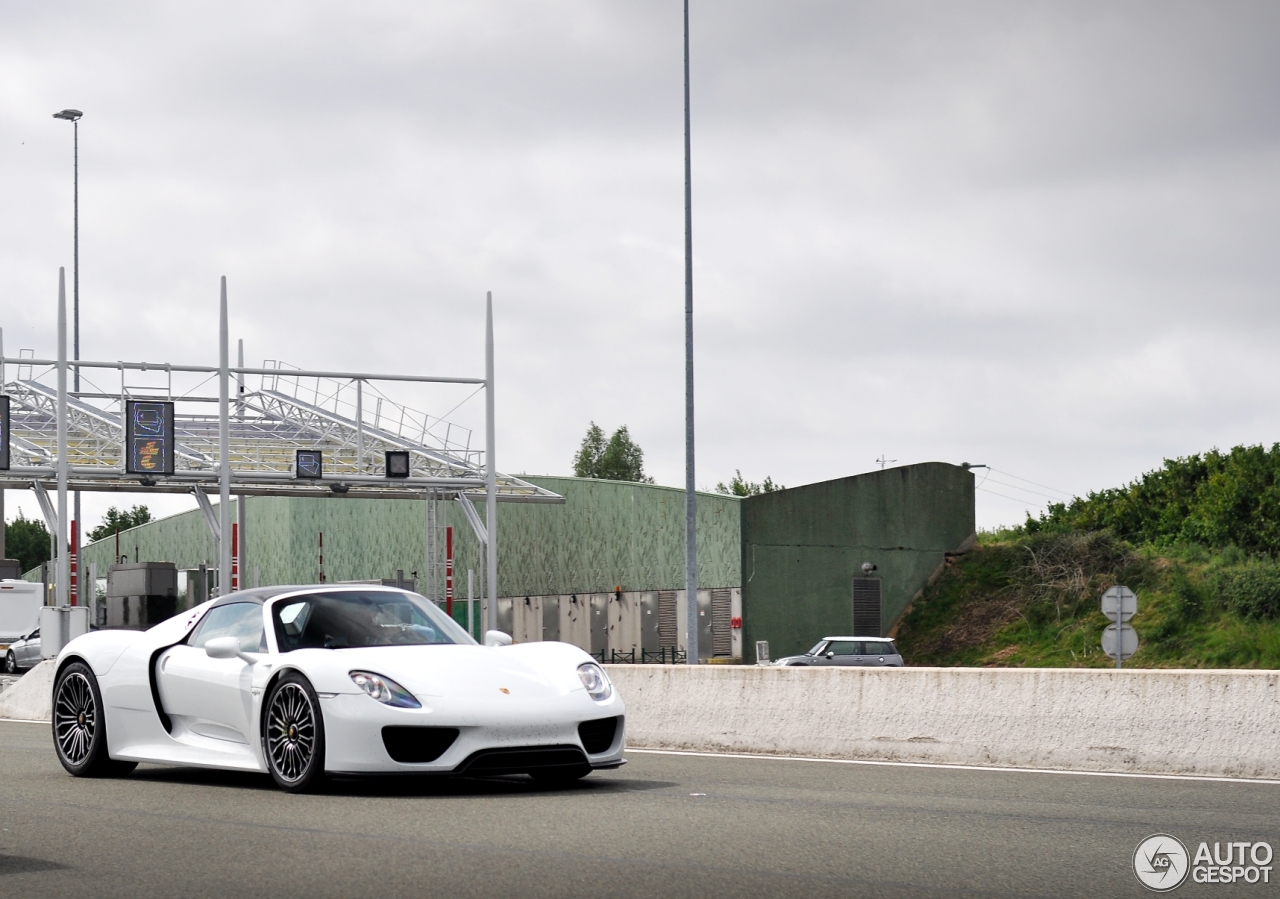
788 659
455 671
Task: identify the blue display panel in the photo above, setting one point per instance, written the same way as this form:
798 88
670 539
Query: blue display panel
308 464
148 437
4 433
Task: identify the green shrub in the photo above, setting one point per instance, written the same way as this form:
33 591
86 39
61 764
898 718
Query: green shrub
1190 599
1253 592
1217 500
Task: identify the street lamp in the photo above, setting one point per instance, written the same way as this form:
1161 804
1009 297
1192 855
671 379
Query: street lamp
73 116
690 496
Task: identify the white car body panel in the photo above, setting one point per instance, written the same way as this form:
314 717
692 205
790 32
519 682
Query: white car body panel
209 710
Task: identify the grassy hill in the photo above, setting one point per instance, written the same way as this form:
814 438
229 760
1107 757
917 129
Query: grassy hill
1198 540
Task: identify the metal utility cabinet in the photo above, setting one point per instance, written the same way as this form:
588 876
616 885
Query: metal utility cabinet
141 594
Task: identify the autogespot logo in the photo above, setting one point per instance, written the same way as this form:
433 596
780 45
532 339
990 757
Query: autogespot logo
1161 862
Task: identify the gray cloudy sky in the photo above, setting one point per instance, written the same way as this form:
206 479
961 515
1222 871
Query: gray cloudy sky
1039 236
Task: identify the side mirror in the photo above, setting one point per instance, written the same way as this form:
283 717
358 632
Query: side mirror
831 655
226 648
496 638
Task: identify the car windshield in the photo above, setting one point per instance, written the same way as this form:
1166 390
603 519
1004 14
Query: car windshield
817 649
355 618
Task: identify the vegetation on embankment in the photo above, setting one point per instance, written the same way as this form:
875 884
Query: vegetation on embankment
1198 540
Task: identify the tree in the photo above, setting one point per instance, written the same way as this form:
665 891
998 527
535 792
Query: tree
26 541
619 459
1217 499
739 487
586 463
115 520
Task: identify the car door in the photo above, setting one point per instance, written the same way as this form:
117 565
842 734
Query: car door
842 652
213 697
818 655
28 654
877 652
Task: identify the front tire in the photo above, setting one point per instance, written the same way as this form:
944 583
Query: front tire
293 734
10 663
79 726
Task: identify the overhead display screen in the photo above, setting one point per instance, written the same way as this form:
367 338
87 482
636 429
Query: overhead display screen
4 433
148 438
308 464
397 463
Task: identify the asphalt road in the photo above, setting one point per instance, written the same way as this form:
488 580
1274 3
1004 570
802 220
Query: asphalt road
663 826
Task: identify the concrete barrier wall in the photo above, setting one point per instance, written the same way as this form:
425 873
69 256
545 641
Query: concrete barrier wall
1224 723
31 698
1184 722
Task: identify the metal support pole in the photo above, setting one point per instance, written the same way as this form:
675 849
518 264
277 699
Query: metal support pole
75 241
428 547
3 524
1119 632
224 446
491 471
448 571
690 496
77 541
359 427
64 561
75 303
240 392
74 584
242 538
471 604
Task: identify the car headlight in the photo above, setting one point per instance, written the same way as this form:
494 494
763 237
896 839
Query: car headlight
385 690
594 679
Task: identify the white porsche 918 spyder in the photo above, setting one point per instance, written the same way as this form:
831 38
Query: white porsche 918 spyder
305 682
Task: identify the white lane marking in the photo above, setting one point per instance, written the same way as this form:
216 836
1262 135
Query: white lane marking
798 758
25 720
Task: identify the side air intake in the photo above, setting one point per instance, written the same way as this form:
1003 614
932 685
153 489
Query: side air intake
597 736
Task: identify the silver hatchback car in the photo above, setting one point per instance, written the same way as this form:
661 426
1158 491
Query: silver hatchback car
866 651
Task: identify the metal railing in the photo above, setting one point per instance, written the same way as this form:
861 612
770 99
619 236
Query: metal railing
667 655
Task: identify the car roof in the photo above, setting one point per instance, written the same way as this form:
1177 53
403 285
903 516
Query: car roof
261 594
889 639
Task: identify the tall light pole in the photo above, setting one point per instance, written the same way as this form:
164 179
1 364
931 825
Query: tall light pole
690 497
73 116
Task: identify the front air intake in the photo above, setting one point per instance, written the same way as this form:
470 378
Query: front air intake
537 760
417 744
597 736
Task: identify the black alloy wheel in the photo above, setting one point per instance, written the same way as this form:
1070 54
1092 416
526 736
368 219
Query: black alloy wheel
10 663
293 734
79 729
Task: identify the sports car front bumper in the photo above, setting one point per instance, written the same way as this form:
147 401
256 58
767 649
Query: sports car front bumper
353 726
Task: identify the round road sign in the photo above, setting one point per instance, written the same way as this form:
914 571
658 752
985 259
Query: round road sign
1125 637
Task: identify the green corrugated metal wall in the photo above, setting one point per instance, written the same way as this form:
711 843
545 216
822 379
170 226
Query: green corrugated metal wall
607 533
801 549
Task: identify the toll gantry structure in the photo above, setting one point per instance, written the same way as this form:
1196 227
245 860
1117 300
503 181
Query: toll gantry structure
272 430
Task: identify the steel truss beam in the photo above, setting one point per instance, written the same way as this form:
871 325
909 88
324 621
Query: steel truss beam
73 440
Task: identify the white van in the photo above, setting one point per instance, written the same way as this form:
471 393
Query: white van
20 604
